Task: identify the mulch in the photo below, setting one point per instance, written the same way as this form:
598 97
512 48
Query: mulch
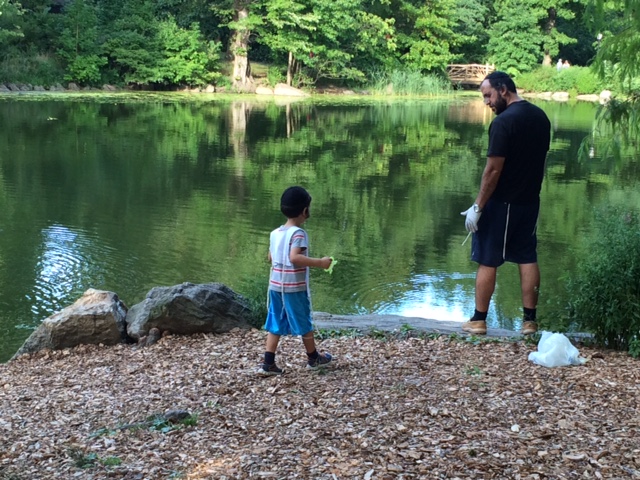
387 408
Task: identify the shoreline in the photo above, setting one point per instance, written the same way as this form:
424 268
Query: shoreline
389 323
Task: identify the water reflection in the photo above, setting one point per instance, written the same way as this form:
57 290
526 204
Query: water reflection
68 258
438 295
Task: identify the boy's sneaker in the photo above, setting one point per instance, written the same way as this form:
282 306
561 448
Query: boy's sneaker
477 327
269 370
529 327
323 359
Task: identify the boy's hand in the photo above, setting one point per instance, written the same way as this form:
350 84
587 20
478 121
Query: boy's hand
325 262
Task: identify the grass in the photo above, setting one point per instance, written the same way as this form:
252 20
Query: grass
409 83
474 371
38 69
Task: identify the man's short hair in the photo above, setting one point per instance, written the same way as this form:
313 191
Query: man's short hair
499 79
293 201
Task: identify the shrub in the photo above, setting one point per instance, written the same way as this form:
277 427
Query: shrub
576 80
604 296
29 67
275 76
254 290
539 80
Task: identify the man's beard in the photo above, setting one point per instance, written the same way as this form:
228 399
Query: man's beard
500 105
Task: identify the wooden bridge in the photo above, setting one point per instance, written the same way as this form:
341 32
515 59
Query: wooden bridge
470 75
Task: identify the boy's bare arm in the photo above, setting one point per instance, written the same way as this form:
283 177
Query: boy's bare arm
300 260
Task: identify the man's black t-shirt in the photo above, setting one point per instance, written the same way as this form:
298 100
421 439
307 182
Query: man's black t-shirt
521 134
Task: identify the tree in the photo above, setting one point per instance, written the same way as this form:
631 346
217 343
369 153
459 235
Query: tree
433 37
618 59
9 22
346 37
188 58
241 20
287 28
515 40
424 32
78 43
324 39
470 24
553 37
132 44
619 51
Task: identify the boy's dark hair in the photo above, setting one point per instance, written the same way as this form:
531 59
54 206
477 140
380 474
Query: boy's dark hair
293 201
499 79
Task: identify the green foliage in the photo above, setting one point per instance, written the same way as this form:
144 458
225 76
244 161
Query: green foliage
173 42
604 295
90 460
29 67
161 424
111 461
326 39
553 37
324 333
377 334
78 43
469 17
82 459
432 37
254 290
275 75
405 328
474 370
619 51
133 46
515 40
10 22
188 58
581 80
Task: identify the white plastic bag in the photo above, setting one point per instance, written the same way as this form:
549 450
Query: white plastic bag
556 350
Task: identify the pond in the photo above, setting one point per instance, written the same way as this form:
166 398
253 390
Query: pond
128 192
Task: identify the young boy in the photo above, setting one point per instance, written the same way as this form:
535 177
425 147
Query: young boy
289 296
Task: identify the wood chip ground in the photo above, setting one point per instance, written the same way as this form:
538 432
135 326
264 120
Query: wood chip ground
394 408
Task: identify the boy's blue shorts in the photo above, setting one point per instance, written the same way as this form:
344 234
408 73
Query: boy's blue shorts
506 232
292 318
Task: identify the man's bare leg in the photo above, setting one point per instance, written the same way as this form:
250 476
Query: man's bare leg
485 286
530 284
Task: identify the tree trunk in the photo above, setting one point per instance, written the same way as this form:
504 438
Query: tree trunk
291 65
551 25
240 47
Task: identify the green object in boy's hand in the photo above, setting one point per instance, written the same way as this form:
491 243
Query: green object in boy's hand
333 264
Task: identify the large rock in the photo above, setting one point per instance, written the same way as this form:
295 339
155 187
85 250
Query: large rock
589 98
286 90
96 317
187 309
605 96
262 90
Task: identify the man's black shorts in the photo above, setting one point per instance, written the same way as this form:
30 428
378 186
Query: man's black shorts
506 233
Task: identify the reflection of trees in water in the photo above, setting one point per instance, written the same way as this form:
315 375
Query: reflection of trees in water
471 112
617 130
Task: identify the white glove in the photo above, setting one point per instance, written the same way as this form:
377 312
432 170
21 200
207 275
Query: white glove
473 215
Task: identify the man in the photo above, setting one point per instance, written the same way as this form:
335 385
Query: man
504 216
